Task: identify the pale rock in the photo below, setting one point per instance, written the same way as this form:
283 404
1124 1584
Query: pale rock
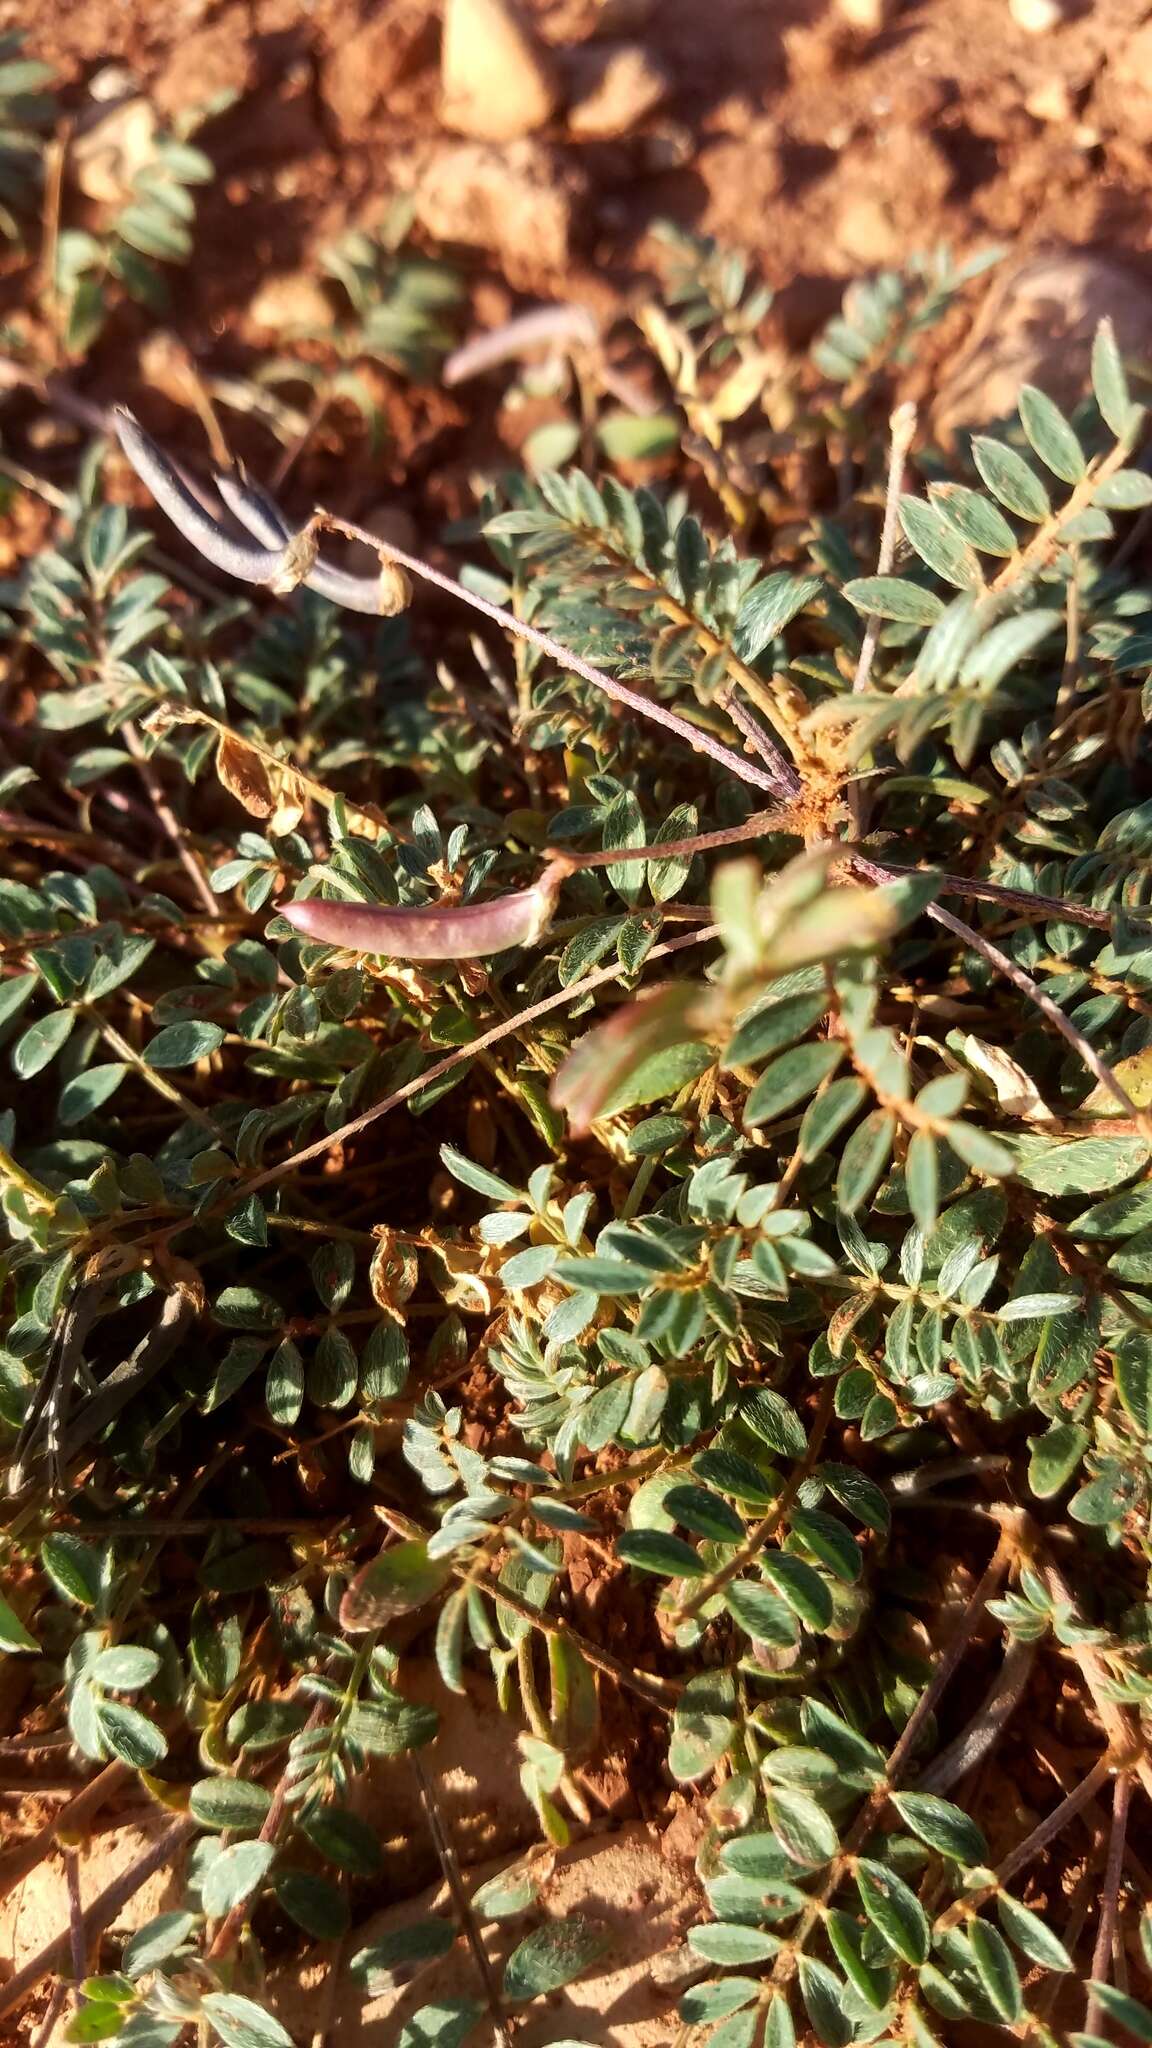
642 1901
1037 17
1036 326
1050 101
866 234
613 89
518 202
868 15
291 303
497 80
108 156
112 83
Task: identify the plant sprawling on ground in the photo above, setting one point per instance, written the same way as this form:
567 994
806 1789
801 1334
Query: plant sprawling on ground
783 1182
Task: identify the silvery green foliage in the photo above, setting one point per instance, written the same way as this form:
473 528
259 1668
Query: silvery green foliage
783 1274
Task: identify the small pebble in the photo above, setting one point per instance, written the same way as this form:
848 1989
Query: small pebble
1037 17
869 15
497 79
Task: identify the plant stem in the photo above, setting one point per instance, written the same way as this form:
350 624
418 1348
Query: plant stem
506 1029
1000 960
450 1865
1026 1851
766 1528
902 427
1110 1898
620 693
101 1913
877 1799
168 818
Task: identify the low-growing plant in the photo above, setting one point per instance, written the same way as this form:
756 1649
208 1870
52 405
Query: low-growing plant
712 1020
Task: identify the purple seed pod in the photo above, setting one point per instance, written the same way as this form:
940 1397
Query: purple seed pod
239 558
458 931
380 596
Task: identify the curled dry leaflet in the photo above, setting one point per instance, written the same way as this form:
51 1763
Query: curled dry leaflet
568 1314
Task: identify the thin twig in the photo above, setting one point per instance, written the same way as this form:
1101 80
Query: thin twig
77 1946
989 1582
1123 1736
129 1379
506 1029
1019 899
1000 960
758 739
168 819
756 827
280 569
1110 1898
100 1914
658 1692
608 686
56 2006
556 326
987 1725
869 1814
1027 1851
902 426
449 1864
766 1528
23 1857
232 1926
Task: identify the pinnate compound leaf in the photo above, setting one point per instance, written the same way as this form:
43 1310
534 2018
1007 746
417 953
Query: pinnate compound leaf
775 1421
938 543
235 1874
238 1804
728 1942
768 607
1031 1935
445 2024
652 1550
715 2001
1127 490
181 1045
38 1046
997 1971
73 1566
13 1634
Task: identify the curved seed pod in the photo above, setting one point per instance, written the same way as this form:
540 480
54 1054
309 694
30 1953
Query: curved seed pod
239 558
558 324
253 506
381 596
459 931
